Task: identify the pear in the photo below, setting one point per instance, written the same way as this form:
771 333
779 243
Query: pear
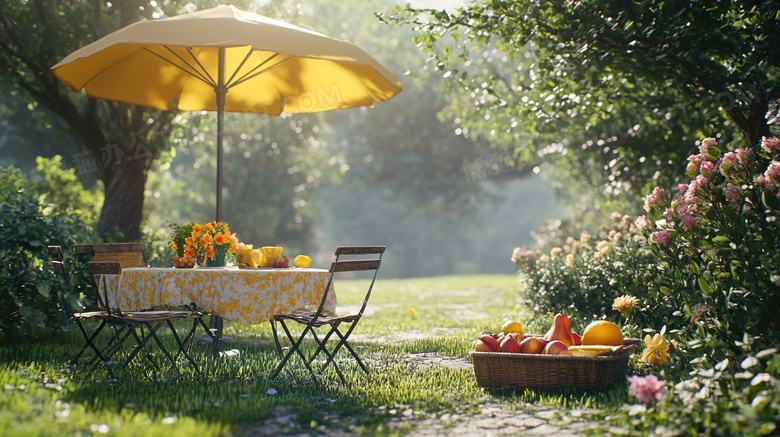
560 330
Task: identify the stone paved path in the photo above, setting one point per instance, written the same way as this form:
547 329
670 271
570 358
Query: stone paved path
493 420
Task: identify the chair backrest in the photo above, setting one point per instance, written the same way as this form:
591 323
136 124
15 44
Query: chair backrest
56 252
126 254
60 272
103 268
363 258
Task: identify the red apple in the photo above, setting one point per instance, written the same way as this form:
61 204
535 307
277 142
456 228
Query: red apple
480 346
490 342
531 345
509 344
577 338
282 263
556 347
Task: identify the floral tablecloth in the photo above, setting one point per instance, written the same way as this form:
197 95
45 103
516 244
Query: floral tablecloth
243 295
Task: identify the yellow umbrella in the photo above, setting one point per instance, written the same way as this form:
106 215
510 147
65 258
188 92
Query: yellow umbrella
225 59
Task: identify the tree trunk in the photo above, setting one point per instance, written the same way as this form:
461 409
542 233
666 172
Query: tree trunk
753 124
120 218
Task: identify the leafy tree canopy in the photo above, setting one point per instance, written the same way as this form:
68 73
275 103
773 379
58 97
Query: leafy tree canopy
118 142
622 88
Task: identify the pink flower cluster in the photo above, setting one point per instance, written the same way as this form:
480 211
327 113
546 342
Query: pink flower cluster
771 145
520 254
695 194
647 389
660 238
642 223
772 173
654 199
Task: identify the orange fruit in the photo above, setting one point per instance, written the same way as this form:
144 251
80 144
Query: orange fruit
511 326
602 332
302 261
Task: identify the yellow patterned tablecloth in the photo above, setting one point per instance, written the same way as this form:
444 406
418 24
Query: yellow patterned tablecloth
243 295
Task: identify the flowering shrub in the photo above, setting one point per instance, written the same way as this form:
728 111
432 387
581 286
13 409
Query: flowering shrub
717 239
704 261
209 239
586 274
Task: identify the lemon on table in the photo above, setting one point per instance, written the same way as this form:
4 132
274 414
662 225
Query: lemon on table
302 261
512 326
602 332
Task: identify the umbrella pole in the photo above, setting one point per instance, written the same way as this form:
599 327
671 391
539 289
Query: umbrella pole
221 90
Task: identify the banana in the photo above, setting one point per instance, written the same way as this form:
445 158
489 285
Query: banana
591 351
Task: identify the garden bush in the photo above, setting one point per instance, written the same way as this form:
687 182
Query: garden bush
700 272
583 275
28 296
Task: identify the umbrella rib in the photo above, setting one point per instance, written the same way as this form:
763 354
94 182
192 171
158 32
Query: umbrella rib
194 73
250 75
197 61
229 83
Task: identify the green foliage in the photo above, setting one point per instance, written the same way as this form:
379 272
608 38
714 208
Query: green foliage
28 295
611 93
63 191
181 232
704 266
716 243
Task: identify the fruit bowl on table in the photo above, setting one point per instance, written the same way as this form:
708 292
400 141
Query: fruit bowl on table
551 372
183 262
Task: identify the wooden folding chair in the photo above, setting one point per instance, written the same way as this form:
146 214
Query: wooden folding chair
370 258
124 324
105 318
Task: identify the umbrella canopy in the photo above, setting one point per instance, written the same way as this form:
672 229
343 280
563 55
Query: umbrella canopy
225 59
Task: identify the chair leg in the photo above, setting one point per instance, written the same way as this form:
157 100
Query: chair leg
89 338
321 346
295 348
121 334
330 356
156 338
276 339
91 344
144 340
181 345
206 328
344 342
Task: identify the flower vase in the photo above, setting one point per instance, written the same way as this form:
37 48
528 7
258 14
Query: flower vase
219 260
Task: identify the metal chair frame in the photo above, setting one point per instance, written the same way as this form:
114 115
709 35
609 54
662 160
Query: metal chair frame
313 320
124 324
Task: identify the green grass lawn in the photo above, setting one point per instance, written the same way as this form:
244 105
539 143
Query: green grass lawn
406 318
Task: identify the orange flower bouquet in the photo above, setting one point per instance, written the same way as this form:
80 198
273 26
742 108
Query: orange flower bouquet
212 242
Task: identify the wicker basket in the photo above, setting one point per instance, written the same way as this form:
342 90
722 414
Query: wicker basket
550 372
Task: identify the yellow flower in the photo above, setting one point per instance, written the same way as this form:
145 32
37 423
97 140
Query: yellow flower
625 304
570 260
604 247
413 312
655 350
